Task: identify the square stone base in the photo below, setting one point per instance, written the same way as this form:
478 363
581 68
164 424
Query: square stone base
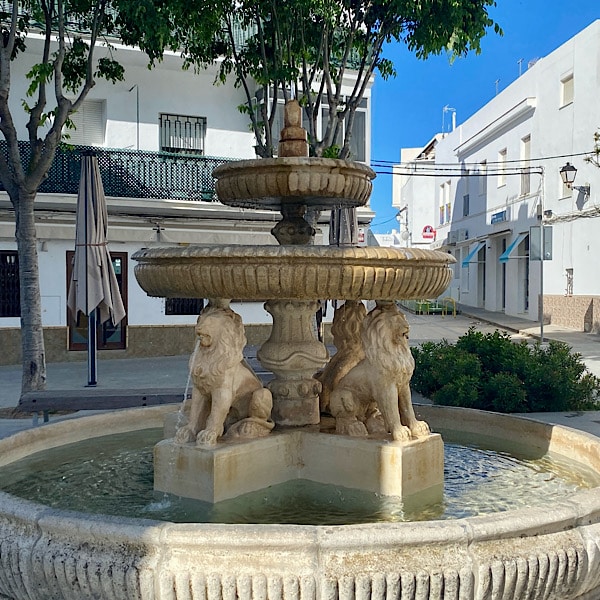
230 469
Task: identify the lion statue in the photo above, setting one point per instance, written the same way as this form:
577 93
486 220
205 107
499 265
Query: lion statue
374 397
227 396
345 329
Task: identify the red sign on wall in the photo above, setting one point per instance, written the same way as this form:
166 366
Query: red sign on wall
429 232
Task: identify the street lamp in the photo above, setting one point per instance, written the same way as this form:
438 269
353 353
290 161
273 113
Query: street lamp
567 174
137 113
404 234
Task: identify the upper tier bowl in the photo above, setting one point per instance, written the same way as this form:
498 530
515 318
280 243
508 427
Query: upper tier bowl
293 272
270 183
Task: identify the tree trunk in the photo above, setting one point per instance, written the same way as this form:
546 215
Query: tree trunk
32 334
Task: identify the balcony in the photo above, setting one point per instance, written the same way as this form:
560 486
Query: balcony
133 173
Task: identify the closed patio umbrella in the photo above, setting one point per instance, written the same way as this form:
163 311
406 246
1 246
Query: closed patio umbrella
93 288
343 227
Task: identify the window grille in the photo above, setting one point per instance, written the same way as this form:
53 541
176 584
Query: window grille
182 134
569 289
10 297
183 306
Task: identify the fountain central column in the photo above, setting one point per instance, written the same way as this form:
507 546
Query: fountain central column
292 352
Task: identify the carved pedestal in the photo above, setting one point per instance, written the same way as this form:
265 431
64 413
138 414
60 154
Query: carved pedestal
413 471
293 354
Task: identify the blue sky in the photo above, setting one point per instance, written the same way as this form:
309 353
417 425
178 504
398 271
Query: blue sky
408 110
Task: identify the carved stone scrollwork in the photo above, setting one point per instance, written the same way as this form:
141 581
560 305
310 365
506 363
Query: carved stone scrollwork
293 354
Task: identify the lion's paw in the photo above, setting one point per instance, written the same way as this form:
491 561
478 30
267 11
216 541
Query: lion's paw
350 426
401 434
206 437
420 429
185 435
376 425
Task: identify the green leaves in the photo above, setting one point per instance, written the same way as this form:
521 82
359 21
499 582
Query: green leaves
40 74
491 372
109 69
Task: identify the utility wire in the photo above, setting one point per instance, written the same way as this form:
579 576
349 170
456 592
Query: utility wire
412 164
450 173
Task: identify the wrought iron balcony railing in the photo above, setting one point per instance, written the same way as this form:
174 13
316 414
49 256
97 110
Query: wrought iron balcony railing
133 173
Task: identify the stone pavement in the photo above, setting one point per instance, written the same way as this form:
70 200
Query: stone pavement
172 371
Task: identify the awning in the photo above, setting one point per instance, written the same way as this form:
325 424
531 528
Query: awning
476 249
506 254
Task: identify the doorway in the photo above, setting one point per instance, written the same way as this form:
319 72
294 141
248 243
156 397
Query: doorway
110 337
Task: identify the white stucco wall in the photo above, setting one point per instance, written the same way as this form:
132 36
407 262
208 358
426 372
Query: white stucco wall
531 106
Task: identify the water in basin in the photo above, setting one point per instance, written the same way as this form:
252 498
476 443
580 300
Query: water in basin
113 475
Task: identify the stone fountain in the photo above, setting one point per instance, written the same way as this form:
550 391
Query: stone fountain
234 435
369 397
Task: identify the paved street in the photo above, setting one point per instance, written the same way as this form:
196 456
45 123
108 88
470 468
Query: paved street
172 371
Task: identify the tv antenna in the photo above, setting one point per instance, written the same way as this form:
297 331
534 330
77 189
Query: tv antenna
448 109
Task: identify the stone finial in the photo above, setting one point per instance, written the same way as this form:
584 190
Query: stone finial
293 136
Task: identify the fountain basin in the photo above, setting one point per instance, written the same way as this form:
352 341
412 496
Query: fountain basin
319 183
293 272
540 552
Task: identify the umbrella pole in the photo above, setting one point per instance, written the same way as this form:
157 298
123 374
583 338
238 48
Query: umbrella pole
92 345
91 322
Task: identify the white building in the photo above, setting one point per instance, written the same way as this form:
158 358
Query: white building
153 199
497 176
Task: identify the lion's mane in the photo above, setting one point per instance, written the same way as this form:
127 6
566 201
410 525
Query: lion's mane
375 395
228 339
346 330
385 342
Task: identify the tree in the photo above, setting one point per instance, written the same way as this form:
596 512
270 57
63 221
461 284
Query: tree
307 47
594 156
64 70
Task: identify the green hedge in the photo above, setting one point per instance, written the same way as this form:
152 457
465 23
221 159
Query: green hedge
491 372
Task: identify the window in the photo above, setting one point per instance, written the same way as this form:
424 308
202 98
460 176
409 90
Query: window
445 203
567 90
89 123
502 167
525 165
483 178
358 144
109 336
358 140
466 205
10 298
182 134
183 306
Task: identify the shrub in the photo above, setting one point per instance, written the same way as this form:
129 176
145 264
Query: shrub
463 391
504 392
491 372
439 363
